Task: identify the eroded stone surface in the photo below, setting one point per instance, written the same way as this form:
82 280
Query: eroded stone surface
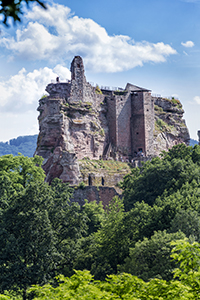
78 120
173 129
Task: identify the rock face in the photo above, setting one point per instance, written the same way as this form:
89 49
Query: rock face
170 128
54 142
72 125
78 120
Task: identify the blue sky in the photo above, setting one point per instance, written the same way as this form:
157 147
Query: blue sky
150 43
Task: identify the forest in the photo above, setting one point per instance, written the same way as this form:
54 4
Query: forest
143 246
22 144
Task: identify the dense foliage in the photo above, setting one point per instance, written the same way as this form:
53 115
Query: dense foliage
44 236
184 285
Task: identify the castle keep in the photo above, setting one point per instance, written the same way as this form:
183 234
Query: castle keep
78 120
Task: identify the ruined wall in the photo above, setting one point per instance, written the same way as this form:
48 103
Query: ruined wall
103 173
92 193
78 80
81 90
123 111
137 123
112 119
59 90
77 120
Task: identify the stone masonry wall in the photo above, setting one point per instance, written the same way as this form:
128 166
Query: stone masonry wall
123 108
93 193
137 123
112 119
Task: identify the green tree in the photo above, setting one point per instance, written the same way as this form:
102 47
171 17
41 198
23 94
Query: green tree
95 215
14 8
187 221
122 286
162 176
150 258
142 220
104 249
21 170
69 222
187 255
27 253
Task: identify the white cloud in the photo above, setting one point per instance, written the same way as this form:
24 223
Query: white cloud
197 99
21 92
56 35
188 44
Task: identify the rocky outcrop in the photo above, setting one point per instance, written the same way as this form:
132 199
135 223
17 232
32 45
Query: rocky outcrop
79 121
170 127
54 142
71 127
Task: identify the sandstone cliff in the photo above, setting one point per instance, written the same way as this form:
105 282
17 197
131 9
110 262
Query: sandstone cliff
79 121
68 132
170 127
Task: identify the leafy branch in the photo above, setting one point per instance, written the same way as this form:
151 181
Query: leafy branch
14 9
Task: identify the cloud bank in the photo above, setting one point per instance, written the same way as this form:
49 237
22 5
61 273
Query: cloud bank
57 35
22 91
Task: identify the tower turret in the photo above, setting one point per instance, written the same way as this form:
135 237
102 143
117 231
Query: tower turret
78 80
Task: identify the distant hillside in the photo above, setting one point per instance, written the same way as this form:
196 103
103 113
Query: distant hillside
193 142
25 145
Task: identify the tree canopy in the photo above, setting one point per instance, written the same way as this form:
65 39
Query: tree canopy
162 176
45 236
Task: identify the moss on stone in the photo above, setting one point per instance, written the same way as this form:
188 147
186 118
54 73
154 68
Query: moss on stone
158 108
98 90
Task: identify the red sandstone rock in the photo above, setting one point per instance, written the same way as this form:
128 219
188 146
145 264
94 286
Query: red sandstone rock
76 121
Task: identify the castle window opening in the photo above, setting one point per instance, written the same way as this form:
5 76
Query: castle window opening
102 181
89 180
137 132
78 65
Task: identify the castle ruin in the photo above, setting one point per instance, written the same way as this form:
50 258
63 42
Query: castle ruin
78 120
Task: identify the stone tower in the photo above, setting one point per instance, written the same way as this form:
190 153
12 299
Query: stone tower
142 122
78 80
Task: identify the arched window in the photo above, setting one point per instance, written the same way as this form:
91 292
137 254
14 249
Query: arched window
102 180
